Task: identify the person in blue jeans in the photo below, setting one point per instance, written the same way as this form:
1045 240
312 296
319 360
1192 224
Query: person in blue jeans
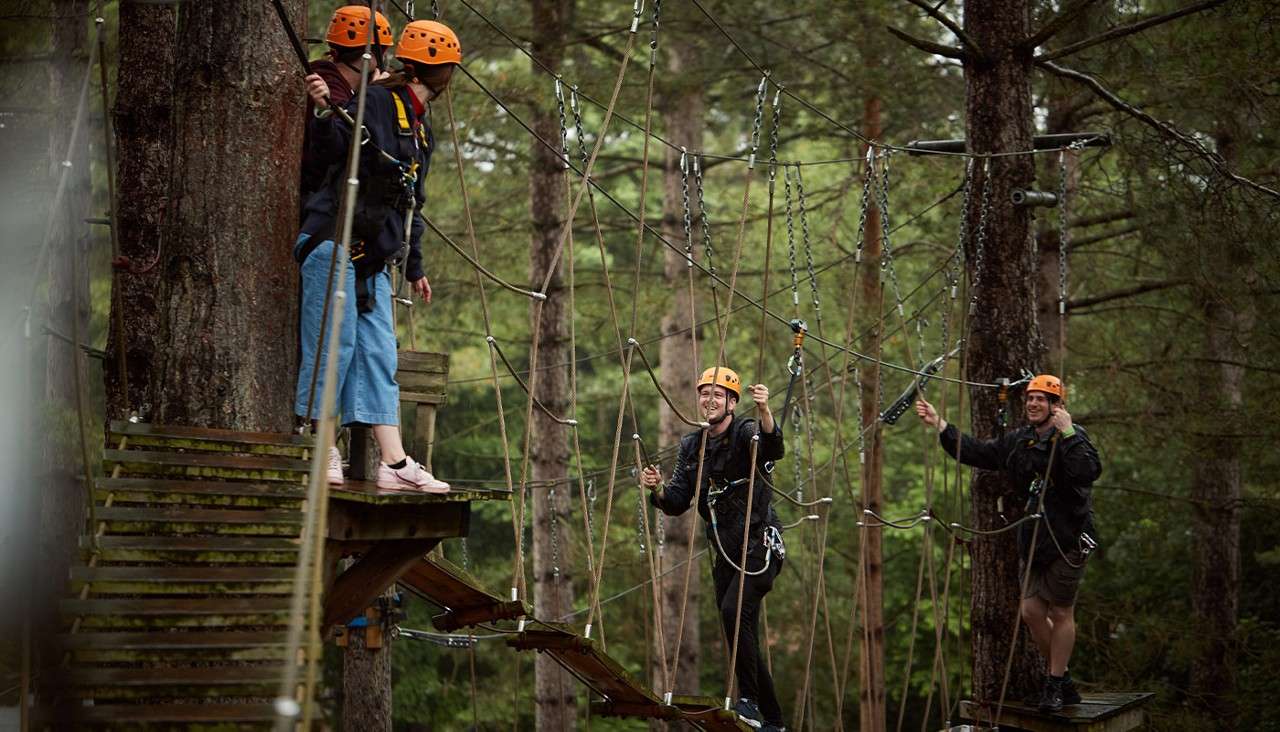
387 227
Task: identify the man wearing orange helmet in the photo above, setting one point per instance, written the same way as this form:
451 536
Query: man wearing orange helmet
1065 474
726 470
347 35
387 226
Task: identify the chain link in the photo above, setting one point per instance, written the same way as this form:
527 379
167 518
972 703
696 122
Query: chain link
706 223
466 555
564 124
773 136
886 261
981 239
759 120
653 35
591 505
868 174
791 238
640 494
555 534
1062 234
862 430
684 202
808 252
953 268
795 450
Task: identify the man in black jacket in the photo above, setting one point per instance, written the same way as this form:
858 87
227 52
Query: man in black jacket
1048 443
726 469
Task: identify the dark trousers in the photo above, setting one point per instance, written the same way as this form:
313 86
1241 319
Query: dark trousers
754 680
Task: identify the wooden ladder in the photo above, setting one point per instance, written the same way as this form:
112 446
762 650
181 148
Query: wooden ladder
180 606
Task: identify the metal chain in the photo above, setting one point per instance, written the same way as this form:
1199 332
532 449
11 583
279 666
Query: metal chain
759 120
636 9
555 534
466 555
868 174
640 494
791 238
981 239
886 262
653 35
564 124
953 269
577 128
706 222
684 202
1062 234
795 450
808 254
773 136
862 428
591 504
408 10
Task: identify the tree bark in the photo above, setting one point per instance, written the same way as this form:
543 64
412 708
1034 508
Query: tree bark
684 114
366 706
552 583
227 302
143 121
871 691
1003 334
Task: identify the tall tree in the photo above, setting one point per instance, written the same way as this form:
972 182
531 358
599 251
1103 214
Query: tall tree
226 306
549 439
683 112
1003 333
143 121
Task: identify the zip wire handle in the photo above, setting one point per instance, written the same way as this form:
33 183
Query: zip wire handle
903 402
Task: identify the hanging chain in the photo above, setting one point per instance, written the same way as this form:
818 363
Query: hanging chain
1062 234
653 35
953 268
640 517
706 221
684 202
862 428
791 238
773 136
408 10
981 239
466 555
564 125
886 262
808 254
868 174
759 120
795 450
591 505
577 127
555 534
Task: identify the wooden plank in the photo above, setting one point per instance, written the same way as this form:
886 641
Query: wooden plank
1110 712
197 543
181 514
175 675
460 594
357 587
424 432
207 465
424 382
207 640
364 491
202 487
422 361
144 429
181 574
173 713
422 397
582 658
175 606
351 521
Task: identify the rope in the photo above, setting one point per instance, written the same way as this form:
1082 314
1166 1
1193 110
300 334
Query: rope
742 574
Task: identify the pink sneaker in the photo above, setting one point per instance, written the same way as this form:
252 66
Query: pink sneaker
412 476
335 467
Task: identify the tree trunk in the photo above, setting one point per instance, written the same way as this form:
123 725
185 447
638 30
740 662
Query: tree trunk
1003 334
871 693
366 707
227 303
143 122
684 113
552 579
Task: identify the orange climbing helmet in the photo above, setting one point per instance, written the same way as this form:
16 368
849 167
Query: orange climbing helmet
349 26
722 376
1048 384
429 42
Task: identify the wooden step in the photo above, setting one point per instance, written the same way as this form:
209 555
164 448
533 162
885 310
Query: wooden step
464 600
195 549
178 612
205 646
184 580
207 465
202 438
133 714
183 520
234 675
206 492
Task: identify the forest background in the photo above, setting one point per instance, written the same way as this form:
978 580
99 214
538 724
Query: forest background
1170 310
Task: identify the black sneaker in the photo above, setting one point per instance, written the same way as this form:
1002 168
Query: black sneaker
1051 697
771 727
1070 694
749 713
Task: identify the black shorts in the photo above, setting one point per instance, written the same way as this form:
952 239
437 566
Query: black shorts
1058 581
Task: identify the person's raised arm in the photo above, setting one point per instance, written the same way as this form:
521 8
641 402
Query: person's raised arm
675 497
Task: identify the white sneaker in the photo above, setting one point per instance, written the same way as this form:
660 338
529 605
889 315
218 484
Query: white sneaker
412 476
335 467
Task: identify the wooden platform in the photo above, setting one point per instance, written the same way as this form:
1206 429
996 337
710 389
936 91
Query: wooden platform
366 491
1111 712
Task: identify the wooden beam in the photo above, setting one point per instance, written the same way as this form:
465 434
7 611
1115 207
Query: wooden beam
355 589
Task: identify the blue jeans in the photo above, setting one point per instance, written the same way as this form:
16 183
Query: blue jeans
367 388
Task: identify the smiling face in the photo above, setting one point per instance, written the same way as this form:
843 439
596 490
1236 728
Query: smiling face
715 402
1039 407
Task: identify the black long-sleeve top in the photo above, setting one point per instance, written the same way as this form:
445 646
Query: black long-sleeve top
726 465
329 141
1023 455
